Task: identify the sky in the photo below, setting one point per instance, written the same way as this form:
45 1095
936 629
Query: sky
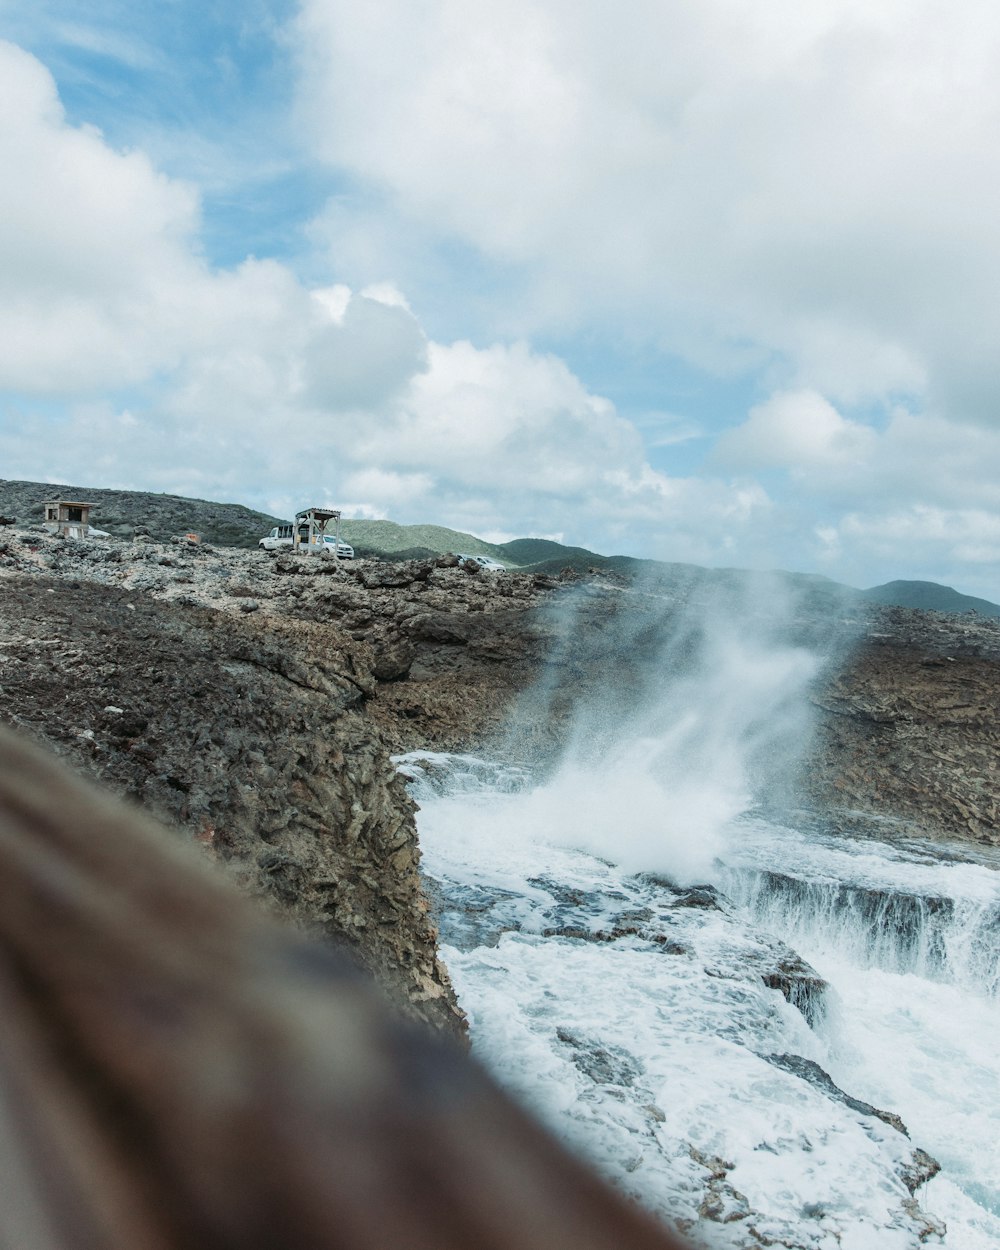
709 281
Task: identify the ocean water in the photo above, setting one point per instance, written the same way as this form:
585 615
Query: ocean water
711 1006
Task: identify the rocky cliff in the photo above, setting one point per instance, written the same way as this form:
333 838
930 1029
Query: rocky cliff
253 700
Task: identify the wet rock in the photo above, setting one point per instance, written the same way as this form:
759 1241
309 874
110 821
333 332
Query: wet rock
704 896
927 1226
921 1168
801 985
810 1071
605 1065
722 1203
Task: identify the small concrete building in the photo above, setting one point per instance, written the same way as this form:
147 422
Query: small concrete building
69 518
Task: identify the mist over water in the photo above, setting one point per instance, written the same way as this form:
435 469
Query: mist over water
641 1018
690 715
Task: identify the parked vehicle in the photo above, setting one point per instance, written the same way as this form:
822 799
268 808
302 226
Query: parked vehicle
280 536
344 550
284 536
486 563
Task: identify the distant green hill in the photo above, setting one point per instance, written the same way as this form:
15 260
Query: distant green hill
527 552
388 538
929 597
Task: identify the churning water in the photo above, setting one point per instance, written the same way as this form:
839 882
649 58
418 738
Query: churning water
760 1030
652 1024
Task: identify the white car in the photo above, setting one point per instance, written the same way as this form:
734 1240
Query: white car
486 563
344 550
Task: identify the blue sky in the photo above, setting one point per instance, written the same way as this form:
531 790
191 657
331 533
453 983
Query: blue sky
706 281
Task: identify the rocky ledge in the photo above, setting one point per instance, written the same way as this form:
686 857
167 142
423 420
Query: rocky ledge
252 701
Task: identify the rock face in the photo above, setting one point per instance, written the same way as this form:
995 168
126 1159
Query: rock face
250 737
252 700
909 724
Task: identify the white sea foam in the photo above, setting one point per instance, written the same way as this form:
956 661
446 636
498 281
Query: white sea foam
648 1052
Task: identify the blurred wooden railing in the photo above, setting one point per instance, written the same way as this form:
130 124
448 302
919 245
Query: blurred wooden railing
178 1070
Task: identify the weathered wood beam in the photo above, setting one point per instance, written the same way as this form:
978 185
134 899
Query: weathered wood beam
177 1070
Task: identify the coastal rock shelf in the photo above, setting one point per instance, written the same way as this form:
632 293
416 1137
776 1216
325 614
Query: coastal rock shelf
253 702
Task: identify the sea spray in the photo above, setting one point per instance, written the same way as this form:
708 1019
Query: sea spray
690 713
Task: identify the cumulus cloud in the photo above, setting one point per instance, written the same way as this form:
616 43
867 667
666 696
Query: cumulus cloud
941 463
918 497
815 185
805 192
797 430
926 540
96 247
505 416
389 486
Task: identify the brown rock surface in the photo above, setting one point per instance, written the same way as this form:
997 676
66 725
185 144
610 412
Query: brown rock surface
249 734
909 725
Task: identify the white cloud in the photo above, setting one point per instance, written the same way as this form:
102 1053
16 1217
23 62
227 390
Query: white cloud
505 416
928 540
798 430
818 182
806 191
913 457
96 247
389 487
244 383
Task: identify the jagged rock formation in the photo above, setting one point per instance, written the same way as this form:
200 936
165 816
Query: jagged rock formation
252 701
247 734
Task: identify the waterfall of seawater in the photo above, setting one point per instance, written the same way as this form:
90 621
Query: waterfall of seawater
903 909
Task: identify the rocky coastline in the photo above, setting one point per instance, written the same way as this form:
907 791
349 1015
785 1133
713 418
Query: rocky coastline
253 702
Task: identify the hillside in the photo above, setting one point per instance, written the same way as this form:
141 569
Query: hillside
928 597
386 538
124 512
